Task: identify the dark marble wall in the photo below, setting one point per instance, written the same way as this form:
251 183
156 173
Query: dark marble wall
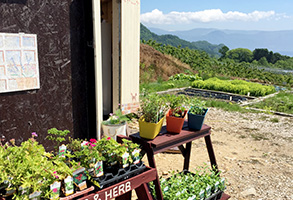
65 99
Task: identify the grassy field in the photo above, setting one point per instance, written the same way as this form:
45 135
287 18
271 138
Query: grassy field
282 102
164 85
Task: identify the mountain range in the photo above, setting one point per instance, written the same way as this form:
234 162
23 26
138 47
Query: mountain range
169 39
276 41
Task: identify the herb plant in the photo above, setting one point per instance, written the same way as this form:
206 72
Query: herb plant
57 135
116 118
191 186
197 107
177 105
153 107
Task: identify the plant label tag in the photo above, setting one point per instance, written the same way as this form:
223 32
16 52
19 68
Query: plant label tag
22 190
125 160
192 198
55 188
35 196
209 190
62 150
223 182
135 156
99 169
69 188
201 195
79 178
217 186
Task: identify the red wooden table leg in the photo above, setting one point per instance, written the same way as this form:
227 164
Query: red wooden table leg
151 160
143 192
211 153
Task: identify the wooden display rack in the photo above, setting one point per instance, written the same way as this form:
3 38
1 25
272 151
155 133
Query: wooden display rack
165 141
121 190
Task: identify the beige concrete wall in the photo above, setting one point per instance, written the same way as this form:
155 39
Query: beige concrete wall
98 64
130 41
116 54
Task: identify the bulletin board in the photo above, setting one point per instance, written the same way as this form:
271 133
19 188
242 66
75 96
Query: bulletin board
19 66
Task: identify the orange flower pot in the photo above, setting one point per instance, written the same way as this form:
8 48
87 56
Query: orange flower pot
174 124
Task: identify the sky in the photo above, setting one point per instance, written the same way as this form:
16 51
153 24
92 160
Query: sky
269 15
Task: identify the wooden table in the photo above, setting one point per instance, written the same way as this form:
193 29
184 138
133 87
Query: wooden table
165 141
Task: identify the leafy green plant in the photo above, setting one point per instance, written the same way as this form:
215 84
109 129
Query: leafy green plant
191 185
89 154
116 118
177 105
131 146
234 86
57 135
153 107
29 169
74 144
111 150
197 107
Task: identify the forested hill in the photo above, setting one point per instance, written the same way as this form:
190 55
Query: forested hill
211 49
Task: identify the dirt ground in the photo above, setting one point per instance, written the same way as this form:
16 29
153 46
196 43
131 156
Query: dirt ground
254 152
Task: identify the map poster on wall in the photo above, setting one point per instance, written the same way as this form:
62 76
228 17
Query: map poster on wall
19 66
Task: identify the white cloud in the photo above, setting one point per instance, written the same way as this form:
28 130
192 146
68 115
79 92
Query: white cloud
212 15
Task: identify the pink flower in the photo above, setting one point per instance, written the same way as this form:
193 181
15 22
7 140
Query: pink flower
108 138
54 172
34 134
93 145
55 190
93 140
57 177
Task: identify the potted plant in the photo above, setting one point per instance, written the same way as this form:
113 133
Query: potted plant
196 114
176 114
30 171
58 136
91 157
201 184
115 154
133 149
115 125
153 108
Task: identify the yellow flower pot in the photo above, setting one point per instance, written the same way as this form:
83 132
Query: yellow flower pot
149 130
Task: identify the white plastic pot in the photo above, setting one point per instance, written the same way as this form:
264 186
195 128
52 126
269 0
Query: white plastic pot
113 130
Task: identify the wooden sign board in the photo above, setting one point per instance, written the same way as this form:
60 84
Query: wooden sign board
111 192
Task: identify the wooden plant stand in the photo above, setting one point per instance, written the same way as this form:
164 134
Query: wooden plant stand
165 141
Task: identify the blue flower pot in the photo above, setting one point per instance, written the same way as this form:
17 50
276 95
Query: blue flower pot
195 122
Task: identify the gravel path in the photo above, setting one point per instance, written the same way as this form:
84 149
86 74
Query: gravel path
254 151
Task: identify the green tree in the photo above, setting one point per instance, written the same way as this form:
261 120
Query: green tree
259 53
240 55
223 51
263 61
